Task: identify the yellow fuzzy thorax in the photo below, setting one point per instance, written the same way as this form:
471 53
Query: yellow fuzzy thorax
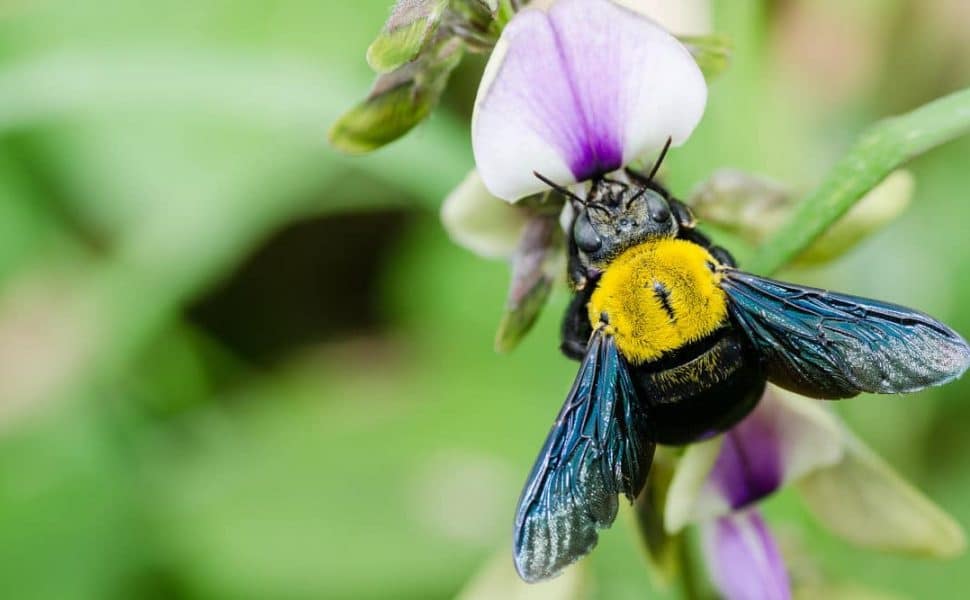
658 296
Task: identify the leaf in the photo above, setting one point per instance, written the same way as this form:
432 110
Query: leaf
878 151
398 101
410 27
712 53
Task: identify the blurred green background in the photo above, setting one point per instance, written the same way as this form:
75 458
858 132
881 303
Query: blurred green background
235 364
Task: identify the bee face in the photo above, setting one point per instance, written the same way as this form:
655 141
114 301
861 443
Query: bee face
618 216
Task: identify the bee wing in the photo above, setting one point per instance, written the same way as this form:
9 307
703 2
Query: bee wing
829 345
598 448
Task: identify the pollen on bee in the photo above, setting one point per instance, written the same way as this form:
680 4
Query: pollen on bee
659 296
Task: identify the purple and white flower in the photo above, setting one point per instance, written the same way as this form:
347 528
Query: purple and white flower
789 439
580 90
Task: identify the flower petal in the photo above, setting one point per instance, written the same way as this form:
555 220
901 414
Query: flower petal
785 437
864 501
743 558
684 500
480 222
579 91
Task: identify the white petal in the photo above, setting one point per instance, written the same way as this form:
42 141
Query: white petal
578 91
784 438
684 500
480 222
864 501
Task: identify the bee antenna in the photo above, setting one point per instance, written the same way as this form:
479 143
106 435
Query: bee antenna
639 193
559 188
660 159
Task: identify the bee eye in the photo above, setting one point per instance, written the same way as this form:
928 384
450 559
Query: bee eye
658 209
584 234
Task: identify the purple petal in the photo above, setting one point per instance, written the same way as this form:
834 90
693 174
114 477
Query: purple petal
743 558
784 438
579 91
749 466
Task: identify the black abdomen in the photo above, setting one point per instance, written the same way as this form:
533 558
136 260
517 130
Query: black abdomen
702 389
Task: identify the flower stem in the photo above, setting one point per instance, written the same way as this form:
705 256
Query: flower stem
879 150
691 585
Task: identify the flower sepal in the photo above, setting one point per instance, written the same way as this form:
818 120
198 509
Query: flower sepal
711 52
537 264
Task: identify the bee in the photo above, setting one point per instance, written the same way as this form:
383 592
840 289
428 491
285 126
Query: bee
676 344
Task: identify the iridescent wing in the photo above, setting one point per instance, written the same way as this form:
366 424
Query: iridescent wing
828 345
598 448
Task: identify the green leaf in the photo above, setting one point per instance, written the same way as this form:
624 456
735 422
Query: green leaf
712 53
878 151
398 101
411 26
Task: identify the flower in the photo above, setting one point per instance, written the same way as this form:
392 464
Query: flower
791 439
744 559
577 91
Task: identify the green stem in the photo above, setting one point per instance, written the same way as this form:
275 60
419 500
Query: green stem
880 150
691 586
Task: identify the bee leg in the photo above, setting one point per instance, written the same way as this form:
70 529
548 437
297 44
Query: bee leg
576 329
575 270
723 256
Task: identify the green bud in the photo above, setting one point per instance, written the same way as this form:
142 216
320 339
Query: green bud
398 101
746 205
537 263
477 22
753 208
409 29
712 52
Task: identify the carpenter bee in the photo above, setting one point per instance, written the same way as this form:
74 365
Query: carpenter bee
676 344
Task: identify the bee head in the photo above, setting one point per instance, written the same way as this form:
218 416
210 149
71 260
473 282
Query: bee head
616 215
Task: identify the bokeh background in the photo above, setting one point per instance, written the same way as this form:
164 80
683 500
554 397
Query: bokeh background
236 364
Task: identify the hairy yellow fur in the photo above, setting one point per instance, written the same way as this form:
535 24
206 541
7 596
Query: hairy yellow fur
627 296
